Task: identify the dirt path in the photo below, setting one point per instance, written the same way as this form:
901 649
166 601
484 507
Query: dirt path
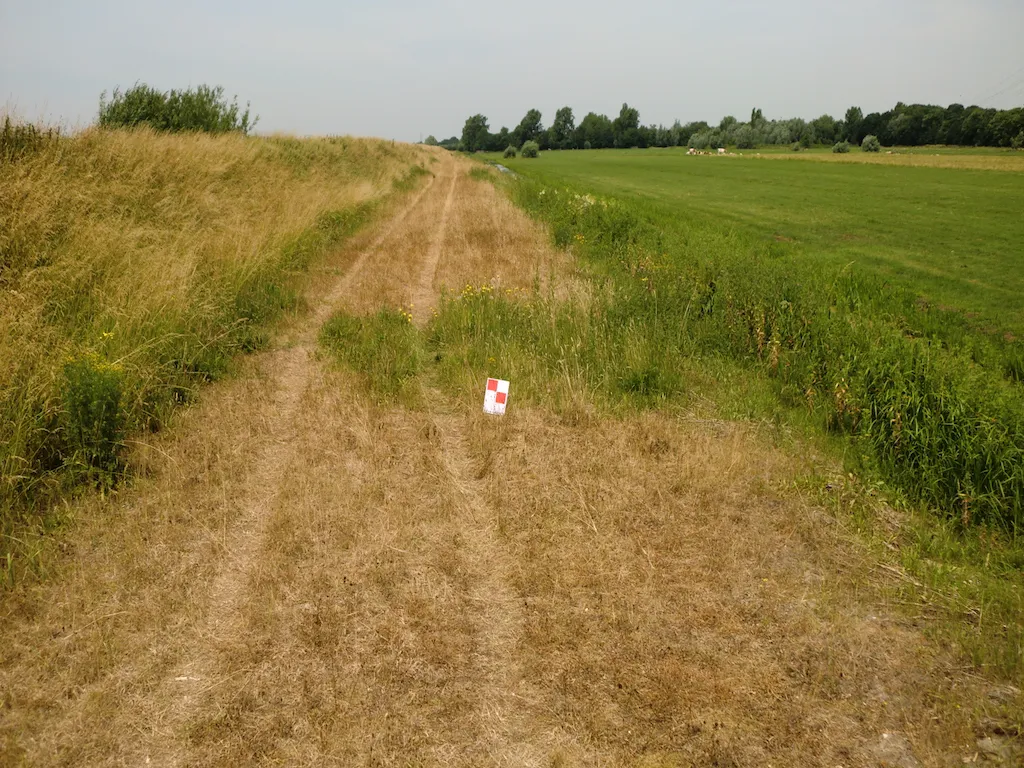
290 371
311 577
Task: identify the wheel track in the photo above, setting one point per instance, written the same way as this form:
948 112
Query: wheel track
423 295
502 689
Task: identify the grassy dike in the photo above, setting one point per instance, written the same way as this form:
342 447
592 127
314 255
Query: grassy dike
134 266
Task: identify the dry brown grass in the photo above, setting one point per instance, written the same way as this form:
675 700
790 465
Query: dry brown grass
306 577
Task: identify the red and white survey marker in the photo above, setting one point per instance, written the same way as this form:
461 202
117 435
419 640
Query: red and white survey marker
496 396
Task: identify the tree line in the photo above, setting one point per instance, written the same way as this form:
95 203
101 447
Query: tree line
903 125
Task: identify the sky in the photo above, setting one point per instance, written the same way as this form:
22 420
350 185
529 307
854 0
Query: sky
404 70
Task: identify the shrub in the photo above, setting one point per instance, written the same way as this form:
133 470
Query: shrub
530 149
587 144
841 147
796 147
1017 142
871 144
196 109
510 151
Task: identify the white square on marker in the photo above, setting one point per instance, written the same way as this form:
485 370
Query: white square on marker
496 396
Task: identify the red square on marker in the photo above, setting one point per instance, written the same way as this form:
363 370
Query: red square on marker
492 384
500 397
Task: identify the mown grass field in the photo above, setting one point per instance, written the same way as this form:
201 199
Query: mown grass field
952 235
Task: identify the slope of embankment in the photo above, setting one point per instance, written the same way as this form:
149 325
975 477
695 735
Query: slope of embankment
134 265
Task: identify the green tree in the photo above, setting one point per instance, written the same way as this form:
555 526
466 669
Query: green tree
475 134
746 137
529 149
530 127
503 138
597 130
430 141
854 118
626 127
871 144
825 129
563 129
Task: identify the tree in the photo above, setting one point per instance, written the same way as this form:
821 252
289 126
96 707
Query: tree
689 130
825 129
530 149
756 118
901 130
503 138
530 127
871 144
626 127
475 133
745 137
563 129
727 122
597 130
854 117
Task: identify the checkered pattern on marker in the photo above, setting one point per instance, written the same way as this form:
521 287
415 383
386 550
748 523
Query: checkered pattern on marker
496 396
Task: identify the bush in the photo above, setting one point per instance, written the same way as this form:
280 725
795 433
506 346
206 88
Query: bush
587 145
871 144
796 147
1017 142
841 147
530 149
200 109
510 151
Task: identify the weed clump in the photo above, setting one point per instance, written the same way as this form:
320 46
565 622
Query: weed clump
92 416
20 139
385 348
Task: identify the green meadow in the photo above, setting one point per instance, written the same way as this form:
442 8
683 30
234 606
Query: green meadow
954 236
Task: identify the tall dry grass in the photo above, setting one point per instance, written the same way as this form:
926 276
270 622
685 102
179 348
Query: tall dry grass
133 265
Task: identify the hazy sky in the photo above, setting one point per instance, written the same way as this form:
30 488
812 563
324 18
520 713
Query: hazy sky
402 69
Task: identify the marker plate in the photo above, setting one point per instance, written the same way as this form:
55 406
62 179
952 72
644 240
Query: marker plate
496 397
